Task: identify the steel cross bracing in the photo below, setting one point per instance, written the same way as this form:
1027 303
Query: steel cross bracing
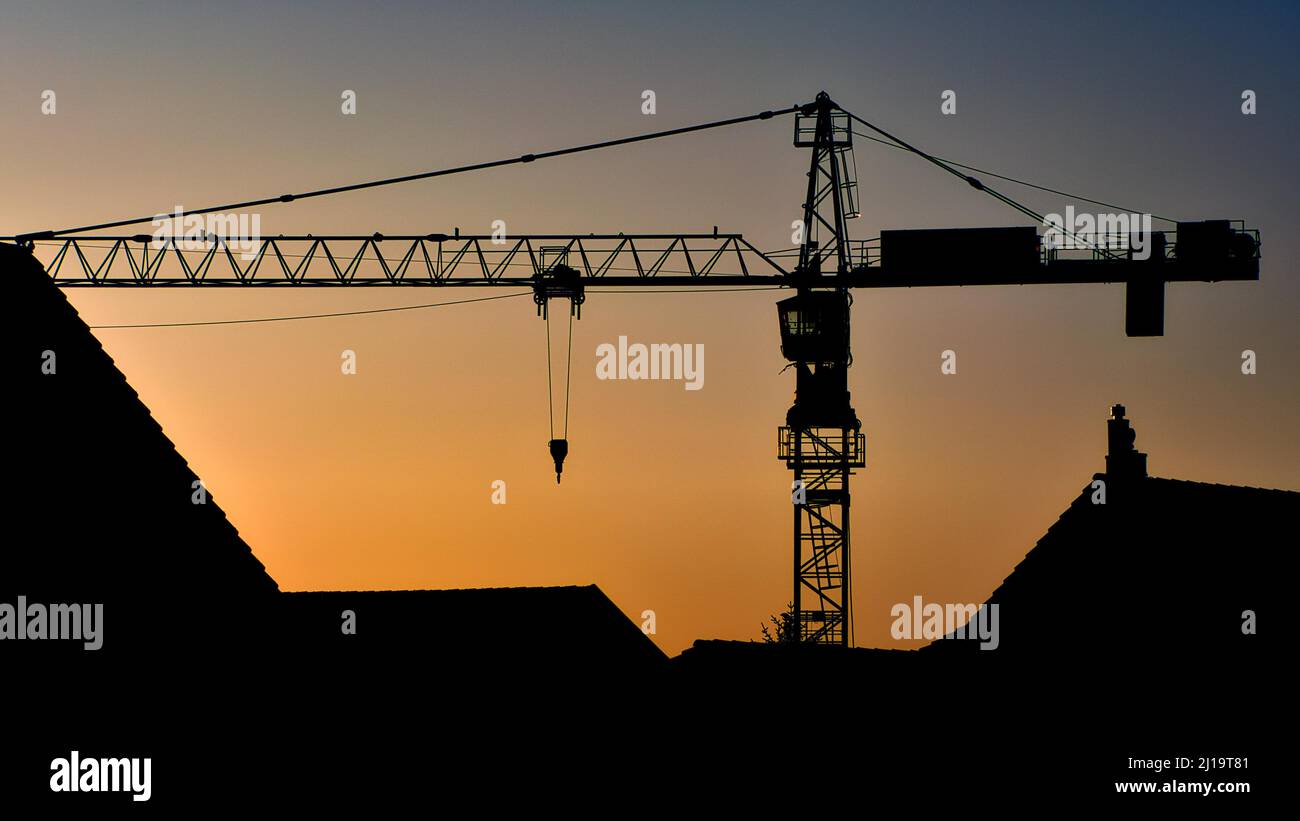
822 460
429 259
820 442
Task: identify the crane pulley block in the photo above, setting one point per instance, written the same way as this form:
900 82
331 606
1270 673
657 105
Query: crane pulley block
559 449
559 282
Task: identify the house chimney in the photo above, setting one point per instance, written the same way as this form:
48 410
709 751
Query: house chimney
1123 461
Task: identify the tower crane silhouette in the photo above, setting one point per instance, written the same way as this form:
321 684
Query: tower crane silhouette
821 442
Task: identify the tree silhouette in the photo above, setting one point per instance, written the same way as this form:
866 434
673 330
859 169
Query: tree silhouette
782 630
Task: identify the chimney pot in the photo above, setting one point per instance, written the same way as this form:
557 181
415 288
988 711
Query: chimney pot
1123 461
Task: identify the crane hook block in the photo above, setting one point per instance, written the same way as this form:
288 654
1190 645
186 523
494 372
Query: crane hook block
559 450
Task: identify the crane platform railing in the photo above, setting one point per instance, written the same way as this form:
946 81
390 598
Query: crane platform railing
821 446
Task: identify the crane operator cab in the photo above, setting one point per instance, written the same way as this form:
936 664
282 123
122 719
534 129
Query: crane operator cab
815 338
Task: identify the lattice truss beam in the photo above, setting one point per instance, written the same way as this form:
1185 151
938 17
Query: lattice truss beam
432 259
822 459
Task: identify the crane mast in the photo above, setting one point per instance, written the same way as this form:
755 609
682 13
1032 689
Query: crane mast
821 441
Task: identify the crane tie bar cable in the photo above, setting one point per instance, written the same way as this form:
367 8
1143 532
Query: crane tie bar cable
1015 180
442 172
973 182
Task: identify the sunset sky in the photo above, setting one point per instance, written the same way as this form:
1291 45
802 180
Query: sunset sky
672 500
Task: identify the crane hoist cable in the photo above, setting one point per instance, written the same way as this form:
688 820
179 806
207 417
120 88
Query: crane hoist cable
559 448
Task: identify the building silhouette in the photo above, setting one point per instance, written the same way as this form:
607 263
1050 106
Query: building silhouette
1134 606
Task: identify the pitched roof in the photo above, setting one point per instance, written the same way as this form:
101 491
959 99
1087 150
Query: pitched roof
105 497
114 522
1165 568
1161 572
569 629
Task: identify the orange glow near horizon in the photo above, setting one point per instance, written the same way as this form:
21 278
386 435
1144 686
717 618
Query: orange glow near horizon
672 500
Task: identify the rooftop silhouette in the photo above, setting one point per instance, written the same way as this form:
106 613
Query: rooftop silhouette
1138 571
1147 589
111 509
1162 569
